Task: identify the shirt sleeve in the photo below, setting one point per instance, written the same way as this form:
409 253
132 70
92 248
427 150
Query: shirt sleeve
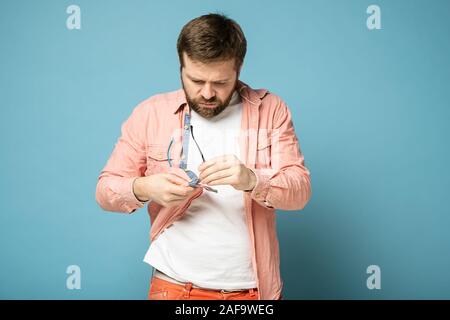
287 184
114 191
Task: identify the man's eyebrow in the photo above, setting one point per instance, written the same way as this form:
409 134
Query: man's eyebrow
196 79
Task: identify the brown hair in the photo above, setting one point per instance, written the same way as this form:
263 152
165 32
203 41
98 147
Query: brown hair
212 37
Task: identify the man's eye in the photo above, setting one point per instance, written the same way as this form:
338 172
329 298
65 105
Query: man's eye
197 81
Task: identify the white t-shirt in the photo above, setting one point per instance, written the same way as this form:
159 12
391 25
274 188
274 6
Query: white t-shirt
210 245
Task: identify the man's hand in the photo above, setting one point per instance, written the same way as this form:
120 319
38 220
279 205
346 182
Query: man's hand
167 189
227 169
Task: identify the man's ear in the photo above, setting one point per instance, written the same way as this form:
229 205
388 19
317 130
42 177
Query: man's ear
239 70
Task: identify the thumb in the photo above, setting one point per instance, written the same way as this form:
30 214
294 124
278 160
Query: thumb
177 179
179 173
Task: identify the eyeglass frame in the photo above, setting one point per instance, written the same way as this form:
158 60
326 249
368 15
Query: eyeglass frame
195 181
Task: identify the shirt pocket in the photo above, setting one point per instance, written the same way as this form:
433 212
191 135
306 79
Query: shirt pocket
263 150
157 158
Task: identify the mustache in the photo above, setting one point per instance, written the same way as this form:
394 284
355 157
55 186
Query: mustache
210 101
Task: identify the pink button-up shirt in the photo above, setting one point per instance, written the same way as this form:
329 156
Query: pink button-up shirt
269 147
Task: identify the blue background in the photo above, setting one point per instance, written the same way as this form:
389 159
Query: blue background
370 108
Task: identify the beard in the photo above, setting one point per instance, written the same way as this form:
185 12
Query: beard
209 112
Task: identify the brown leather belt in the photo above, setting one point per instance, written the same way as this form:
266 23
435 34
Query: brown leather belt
164 276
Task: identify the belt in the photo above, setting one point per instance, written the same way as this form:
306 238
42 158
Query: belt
164 276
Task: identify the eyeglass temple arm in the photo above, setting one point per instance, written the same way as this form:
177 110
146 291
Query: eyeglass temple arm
192 133
168 152
193 138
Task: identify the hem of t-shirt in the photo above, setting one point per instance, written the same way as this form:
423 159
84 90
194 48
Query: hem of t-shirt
204 285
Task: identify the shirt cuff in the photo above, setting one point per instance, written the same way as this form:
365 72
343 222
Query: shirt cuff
130 201
262 186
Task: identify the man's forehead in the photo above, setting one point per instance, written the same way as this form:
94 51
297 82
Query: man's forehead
215 70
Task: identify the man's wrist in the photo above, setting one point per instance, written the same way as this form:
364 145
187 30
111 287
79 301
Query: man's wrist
138 190
253 181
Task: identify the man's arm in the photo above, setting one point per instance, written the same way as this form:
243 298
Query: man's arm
114 190
287 185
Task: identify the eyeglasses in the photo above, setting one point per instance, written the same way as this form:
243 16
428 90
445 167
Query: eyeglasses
195 181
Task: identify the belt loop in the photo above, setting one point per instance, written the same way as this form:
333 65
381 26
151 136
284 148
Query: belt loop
252 292
187 289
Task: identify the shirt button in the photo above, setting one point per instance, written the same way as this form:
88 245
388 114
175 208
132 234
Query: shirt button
186 127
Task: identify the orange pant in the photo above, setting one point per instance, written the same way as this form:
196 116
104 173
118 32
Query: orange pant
161 289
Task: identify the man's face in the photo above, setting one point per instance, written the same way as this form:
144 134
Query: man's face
208 86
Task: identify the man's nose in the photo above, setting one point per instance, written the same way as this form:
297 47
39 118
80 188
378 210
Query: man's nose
207 92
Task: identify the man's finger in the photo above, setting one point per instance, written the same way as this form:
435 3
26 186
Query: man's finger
217 175
212 161
222 181
176 198
180 190
176 180
218 166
